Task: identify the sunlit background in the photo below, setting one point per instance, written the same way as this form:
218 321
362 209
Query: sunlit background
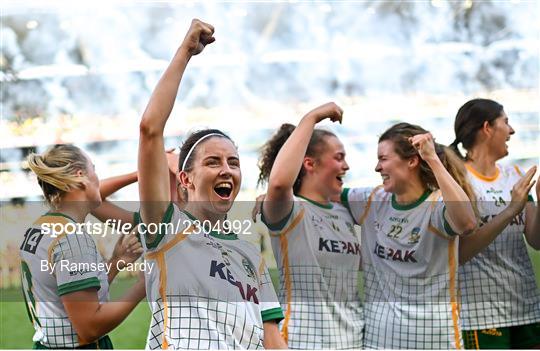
82 72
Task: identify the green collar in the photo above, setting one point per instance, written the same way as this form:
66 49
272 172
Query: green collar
61 215
213 233
412 205
328 207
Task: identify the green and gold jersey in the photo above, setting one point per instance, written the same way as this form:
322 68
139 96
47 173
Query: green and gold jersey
56 263
318 256
409 261
206 290
498 288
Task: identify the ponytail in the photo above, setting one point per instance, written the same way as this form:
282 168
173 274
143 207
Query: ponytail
455 166
56 171
455 149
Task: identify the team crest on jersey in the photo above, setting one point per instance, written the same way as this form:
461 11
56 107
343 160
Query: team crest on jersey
350 226
248 267
415 235
317 222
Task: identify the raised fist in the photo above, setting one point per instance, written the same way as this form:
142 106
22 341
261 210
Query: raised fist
425 146
329 110
198 36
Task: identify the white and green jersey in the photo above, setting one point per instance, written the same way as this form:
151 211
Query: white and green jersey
409 260
318 256
56 265
498 288
206 290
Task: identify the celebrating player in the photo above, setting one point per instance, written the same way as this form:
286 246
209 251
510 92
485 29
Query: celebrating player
500 299
313 239
67 300
410 226
209 289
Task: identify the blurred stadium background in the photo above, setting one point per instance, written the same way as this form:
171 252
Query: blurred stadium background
82 72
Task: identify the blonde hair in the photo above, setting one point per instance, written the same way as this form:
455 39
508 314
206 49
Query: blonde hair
56 171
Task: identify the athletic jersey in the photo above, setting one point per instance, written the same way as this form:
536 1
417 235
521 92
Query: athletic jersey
318 256
409 260
498 287
206 290
55 265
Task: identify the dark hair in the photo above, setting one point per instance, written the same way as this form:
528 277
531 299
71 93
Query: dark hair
270 150
469 120
190 141
400 133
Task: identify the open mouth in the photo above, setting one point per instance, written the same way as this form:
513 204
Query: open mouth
384 177
340 177
223 190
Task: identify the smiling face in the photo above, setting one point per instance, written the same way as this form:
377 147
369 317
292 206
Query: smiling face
330 167
395 171
215 177
500 135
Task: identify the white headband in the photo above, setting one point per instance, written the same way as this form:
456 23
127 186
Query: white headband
195 145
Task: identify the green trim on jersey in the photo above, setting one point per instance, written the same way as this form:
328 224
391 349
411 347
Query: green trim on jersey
104 343
447 226
59 214
167 216
530 198
412 205
78 285
280 224
344 197
273 314
328 207
27 275
136 221
515 337
213 233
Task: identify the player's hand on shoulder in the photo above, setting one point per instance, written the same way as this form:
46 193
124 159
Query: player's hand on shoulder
127 249
257 207
198 36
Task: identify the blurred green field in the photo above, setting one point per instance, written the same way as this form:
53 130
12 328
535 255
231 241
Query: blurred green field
16 331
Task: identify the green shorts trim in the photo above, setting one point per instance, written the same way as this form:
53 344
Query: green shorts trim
103 343
515 337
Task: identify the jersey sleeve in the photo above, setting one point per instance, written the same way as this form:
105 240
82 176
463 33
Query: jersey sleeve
277 227
357 201
438 219
174 222
76 263
270 307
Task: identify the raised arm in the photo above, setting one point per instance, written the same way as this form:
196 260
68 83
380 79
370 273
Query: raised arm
111 185
288 163
154 191
459 211
471 245
532 220
108 210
